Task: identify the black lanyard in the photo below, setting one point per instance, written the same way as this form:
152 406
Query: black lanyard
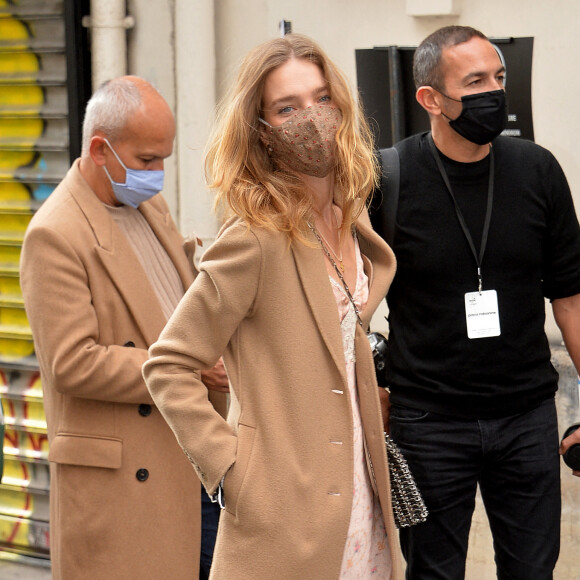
478 259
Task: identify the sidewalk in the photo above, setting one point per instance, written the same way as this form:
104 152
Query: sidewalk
10 570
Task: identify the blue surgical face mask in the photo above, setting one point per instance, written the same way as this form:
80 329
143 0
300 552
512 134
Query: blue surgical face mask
140 184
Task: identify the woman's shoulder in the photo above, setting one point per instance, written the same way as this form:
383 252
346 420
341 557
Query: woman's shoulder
237 233
238 227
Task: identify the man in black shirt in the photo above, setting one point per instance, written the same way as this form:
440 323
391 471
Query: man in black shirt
485 230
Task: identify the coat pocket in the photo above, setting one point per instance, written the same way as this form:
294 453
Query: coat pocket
236 475
71 449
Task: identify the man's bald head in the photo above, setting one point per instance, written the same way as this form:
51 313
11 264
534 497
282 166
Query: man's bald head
114 104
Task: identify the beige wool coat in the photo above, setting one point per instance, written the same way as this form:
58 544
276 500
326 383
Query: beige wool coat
269 307
125 501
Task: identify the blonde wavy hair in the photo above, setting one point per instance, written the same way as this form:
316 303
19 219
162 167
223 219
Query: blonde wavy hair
238 168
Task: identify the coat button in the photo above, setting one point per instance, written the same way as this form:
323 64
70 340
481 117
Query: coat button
130 343
142 475
144 410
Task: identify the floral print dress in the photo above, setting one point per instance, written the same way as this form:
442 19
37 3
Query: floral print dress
366 552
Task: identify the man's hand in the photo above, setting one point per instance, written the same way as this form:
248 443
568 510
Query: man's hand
216 378
572 439
385 407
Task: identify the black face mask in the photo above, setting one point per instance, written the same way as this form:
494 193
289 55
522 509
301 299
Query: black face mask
483 118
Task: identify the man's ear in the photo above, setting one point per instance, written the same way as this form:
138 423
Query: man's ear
97 149
429 99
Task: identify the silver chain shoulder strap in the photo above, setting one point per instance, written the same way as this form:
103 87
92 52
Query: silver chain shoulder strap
409 508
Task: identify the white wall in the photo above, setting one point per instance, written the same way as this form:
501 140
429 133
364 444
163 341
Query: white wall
173 46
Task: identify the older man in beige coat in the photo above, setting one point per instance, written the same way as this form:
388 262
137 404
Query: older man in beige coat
102 269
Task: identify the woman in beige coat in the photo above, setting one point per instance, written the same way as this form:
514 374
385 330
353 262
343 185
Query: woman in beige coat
286 293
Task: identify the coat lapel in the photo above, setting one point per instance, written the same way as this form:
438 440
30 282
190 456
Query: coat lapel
380 265
316 285
122 265
127 274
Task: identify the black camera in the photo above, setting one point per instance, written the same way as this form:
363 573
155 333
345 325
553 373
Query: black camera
379 348
572 455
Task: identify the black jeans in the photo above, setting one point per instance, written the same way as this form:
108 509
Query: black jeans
210 516
514 460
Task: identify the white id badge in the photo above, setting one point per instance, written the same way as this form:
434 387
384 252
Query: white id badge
482 314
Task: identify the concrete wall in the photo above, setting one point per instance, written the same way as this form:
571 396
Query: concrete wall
173 45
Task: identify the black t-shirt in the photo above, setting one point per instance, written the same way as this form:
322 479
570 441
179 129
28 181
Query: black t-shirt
533 251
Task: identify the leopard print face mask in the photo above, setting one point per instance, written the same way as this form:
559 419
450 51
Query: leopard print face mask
306 142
